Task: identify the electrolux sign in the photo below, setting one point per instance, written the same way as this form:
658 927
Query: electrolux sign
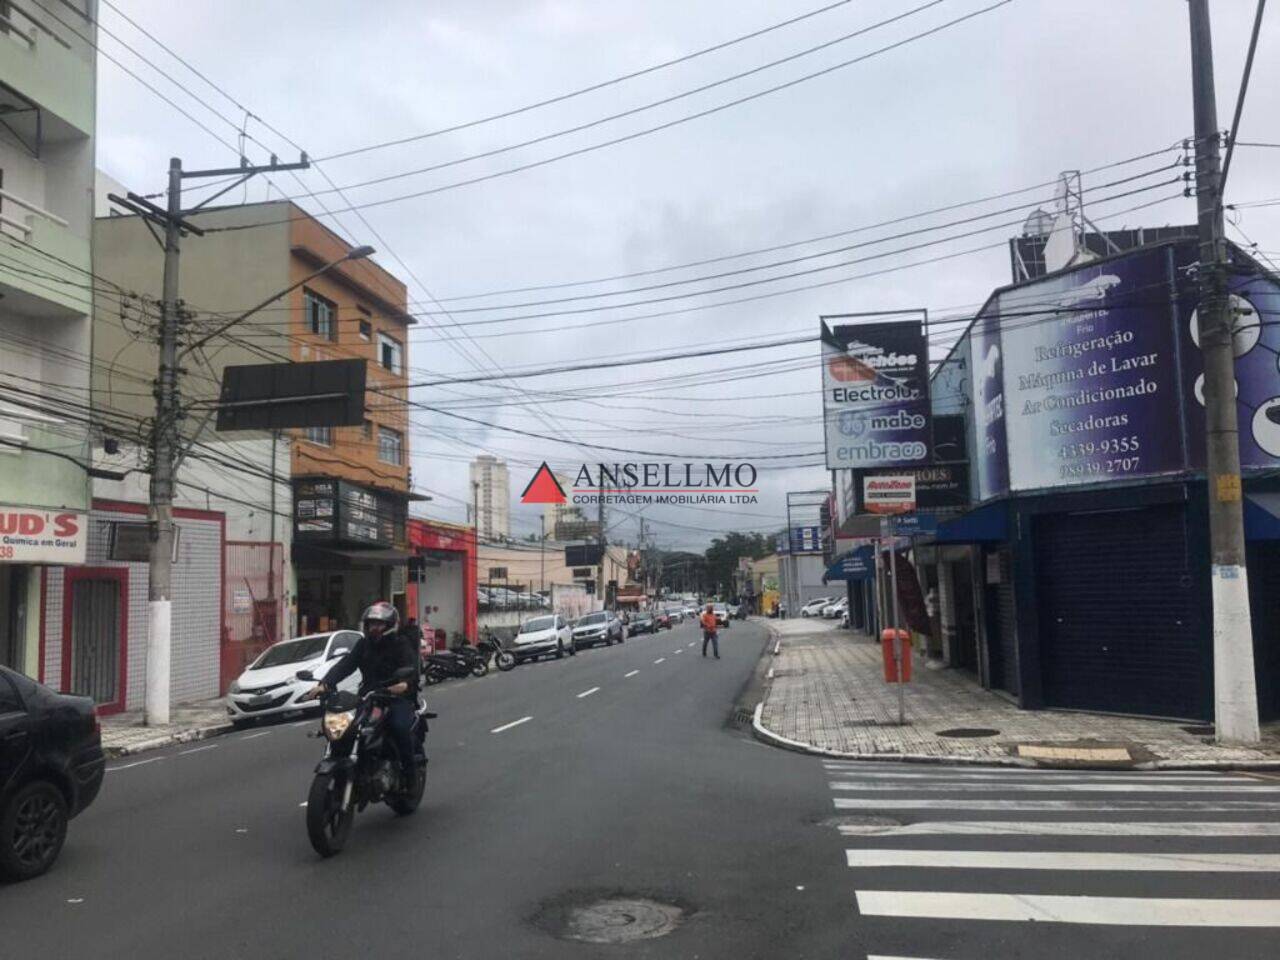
875 394
1091 383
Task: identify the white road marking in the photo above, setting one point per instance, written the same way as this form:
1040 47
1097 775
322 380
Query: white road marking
209 746
513 723
678 650
957 803
1027 776
299 723
631 674
1125 911
303 803
660 659
254 736
587 693
1073 860
1091 787
875 769
76 900
689 644
136 763
1070 828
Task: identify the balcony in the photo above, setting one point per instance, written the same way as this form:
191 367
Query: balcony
47 63
44 264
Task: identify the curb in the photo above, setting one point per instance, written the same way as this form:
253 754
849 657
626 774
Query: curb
182 736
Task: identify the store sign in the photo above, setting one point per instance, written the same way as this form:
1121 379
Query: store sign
922 523
889 493
875 394
941 486
806 540
42 536
1091 382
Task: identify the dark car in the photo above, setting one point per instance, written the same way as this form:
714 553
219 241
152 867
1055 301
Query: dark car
642 623
51 768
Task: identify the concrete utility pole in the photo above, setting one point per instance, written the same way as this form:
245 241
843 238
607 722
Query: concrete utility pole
542 554
1235 694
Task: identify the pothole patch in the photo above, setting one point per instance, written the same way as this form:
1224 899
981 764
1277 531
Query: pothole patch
613 918
965 733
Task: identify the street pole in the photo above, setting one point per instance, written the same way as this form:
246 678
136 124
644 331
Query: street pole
897 636
1235 693
163 453
542 555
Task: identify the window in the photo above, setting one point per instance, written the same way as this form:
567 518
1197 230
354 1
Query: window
366 330
320 435
390 446
366 431
10 702
390 353
322 315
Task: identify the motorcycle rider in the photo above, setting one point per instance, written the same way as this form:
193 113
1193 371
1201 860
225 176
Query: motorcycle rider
385 656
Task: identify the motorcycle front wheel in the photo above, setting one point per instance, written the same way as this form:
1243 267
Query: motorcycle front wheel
328 825
405 803
505 660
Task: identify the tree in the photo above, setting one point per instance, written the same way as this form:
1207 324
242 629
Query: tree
722 556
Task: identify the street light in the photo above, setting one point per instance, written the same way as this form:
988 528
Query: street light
356 253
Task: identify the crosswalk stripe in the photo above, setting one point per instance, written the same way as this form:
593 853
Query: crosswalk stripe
1124 911
1045 777
1067 828
877 770
1054 788
1062 860
954 803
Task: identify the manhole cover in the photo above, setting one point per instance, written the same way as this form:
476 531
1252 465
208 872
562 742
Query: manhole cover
963 733
621 920
1204 731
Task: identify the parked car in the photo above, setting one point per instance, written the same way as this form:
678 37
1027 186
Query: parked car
543 636
721 610
599 627
675 614
270 686
691 611
814 607
661 620
832 611
642 623
51 768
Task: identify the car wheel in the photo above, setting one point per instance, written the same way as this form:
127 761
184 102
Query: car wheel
573 648
559 649
33 827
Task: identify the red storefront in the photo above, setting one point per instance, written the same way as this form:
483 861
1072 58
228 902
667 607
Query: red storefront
441 588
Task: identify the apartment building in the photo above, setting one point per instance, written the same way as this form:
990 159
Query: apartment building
47 106
491 492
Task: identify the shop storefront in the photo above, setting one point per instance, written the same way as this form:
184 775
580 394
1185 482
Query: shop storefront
441 591
30 539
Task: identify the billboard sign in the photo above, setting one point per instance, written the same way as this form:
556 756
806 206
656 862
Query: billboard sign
889 493
1090 375
938 486
875 394
806 540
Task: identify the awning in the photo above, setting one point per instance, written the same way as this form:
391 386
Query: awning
987 523
856 564
1262 516
309 554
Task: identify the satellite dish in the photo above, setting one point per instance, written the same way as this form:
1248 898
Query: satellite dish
1037 224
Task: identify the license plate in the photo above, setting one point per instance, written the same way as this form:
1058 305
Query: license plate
261 700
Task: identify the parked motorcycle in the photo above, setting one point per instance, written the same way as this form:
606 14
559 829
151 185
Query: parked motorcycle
360 766
504 659
463 662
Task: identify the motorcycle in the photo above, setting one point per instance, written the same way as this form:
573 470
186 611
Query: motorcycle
360 765
464 661
504 659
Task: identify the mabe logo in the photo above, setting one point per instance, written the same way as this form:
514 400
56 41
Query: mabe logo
543 488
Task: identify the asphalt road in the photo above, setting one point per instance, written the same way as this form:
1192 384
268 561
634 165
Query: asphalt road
631 779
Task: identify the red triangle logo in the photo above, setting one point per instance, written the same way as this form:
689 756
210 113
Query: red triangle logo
543 488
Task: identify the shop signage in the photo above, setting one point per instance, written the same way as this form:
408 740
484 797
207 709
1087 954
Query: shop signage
339 511
889 493
875 394
806 540
1091 383
922 523
940 486
42 536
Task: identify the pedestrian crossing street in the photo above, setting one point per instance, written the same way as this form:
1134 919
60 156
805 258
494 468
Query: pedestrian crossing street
954 863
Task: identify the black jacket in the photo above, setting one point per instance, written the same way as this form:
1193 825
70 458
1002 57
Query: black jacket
389 659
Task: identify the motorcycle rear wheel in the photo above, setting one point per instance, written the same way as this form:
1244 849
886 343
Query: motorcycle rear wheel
505 660
479 669
328 825
405 803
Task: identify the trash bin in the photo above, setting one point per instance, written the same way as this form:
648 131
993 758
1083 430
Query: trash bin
886 648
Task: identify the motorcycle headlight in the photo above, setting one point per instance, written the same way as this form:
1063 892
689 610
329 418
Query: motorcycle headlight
336 724
235 687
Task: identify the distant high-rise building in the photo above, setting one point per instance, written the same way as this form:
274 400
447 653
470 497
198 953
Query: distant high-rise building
491 493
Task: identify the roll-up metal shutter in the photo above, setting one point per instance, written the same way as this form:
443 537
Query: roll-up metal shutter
1116 627
1264 603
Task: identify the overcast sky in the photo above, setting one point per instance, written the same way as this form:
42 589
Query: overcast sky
1003 101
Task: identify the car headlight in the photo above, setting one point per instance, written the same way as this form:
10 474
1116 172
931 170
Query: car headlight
336 724
235 687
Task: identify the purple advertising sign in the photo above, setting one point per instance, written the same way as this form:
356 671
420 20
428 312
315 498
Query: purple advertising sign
1091 375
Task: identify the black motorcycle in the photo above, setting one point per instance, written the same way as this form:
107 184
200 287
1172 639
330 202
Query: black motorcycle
504 659
462 662
360 766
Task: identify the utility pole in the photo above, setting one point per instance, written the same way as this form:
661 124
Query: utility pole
166 434
542 556
1235 693
601 591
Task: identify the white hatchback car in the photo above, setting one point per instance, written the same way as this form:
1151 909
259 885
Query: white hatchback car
543 636
814 607
270 686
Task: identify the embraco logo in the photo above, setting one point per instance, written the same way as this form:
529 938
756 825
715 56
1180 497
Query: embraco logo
543 488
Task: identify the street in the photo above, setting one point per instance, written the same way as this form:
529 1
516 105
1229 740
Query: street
631 778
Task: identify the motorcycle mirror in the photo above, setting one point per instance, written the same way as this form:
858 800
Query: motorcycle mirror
305 675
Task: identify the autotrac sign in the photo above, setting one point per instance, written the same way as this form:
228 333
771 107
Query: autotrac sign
875 394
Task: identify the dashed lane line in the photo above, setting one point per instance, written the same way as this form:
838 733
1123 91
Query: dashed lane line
508 726
631 674
136 763
209 746
660 659
587 693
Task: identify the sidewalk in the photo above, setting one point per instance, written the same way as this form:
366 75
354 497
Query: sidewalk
124 733
827 695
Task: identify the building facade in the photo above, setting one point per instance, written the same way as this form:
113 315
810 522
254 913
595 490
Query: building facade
48 103
491 497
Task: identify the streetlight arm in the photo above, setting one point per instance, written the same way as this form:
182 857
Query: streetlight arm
359 253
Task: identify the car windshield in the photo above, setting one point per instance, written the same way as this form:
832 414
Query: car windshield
592 618
292 651
537 624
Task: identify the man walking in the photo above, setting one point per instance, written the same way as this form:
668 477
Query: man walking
709 631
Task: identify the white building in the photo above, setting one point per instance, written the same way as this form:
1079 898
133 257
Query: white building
48 98
491 497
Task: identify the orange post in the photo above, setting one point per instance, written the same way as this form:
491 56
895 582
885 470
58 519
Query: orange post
886 649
